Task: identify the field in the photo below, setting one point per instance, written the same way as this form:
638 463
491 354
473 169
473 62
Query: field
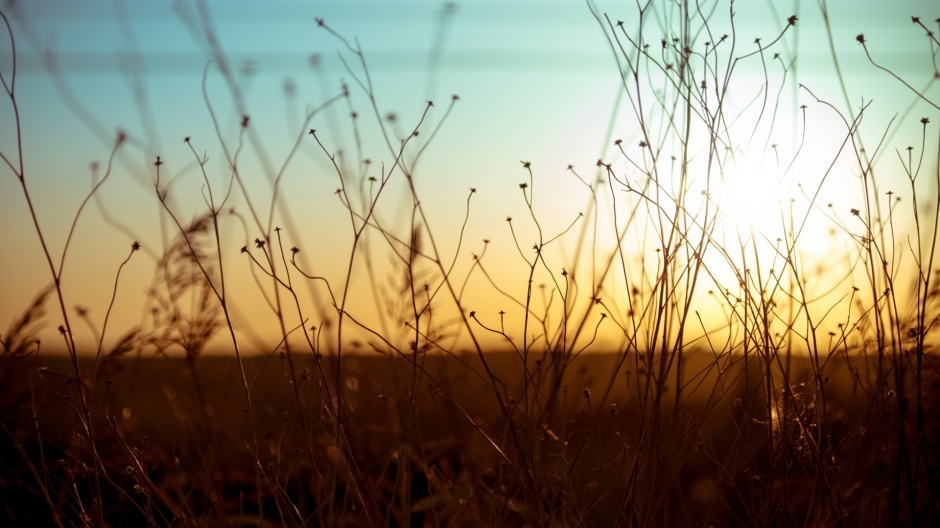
727 317
595 455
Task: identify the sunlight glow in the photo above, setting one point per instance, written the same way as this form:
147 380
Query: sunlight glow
752 196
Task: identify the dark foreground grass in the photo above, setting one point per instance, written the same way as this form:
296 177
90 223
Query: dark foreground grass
171 456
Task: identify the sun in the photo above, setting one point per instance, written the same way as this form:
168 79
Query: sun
753 203
752 195
777 226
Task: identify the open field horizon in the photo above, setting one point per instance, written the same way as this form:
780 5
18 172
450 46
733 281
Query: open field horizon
415 264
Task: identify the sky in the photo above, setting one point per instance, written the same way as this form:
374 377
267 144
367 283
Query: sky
536 82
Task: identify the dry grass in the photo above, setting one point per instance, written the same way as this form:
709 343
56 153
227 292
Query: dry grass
601 396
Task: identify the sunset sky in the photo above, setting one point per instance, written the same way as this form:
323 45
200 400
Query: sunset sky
537 81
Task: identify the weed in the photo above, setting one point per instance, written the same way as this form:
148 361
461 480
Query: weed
658 358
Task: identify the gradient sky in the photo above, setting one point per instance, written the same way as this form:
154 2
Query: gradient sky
536 82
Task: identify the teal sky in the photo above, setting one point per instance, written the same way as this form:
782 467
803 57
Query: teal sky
536 82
